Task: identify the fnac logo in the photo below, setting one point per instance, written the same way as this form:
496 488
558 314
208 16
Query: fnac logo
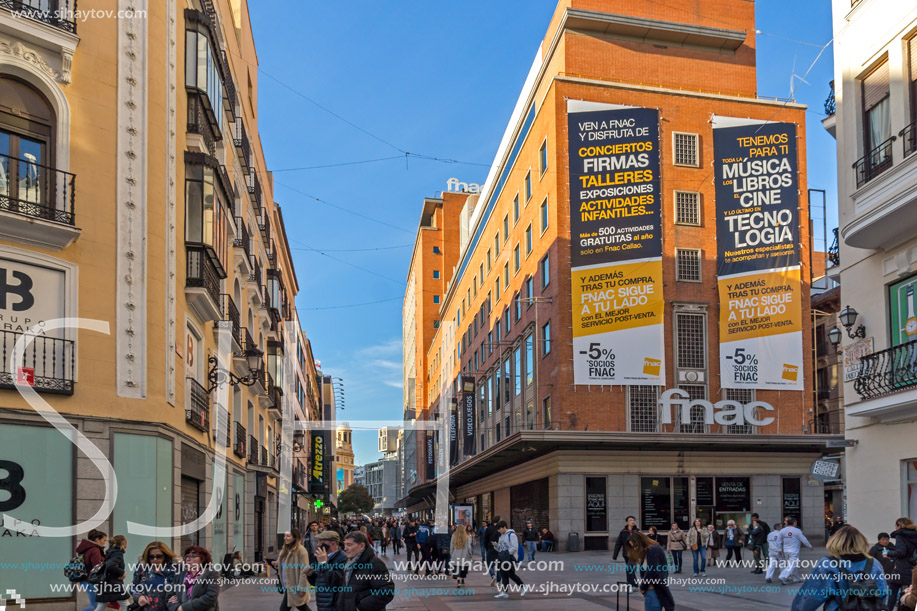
651 367
790 372
15 598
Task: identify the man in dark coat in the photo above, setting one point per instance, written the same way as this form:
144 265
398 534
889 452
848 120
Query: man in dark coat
623 536
367 583
328 573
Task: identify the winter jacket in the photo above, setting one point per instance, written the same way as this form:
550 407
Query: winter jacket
461 554
92 553
530 534
826 582
694 539
888 564
623 536
423 533
201 596
656 574
370 587
737 540
113 587
677 540
327 578
905 544
442 541
154 583
509 544
757 535
714 541
290 568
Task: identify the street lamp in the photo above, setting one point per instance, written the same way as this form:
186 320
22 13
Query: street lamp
834 336
218 375
848 317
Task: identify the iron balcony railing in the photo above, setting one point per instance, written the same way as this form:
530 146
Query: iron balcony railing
36 191
299 476
874 162
887 371
273 392
243 239
222 420
197 410
263 461
231 316
256 275
252 450
909 138
247 341
830 103
202 273
58 13
230 188
254 189
834 252
243 147
47 363
229 100
198 123
238 447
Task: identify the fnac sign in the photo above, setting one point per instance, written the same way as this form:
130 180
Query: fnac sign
727 413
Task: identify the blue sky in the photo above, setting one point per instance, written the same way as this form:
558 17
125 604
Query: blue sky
377 79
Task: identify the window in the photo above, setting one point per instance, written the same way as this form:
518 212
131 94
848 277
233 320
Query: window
498 391
488 385
497 288
687 208
480 276
910 481
483 444
436 274
691 340
436 250
517 371
529 360
488 260
517 305
490 342
202 70
498 431
528 240
474 287
687 265
475 360
497 245
876 123
516 209
435 298
528 186
506 226
685 146
743 396
517 260
543 157
506 426
506 322
544 215
545 271
642 404
206 208
529 290
507 382
546 338
436 324
506 275
497 327
474 325
546 413
695 392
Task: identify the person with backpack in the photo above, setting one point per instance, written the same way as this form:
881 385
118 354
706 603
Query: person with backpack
89 553
153 577
904 555
848 579
508 558
757 542
109 576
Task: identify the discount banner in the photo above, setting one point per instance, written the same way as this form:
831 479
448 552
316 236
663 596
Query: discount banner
616 246
757 222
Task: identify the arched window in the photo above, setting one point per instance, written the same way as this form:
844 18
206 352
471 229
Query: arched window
27 122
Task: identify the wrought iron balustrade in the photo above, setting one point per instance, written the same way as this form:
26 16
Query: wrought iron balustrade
252 450
238 447
197 410
46 364
202 273
231 316
874 162
38 191
908 137
58 13
887 371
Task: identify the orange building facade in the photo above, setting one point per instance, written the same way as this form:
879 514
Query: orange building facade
577 455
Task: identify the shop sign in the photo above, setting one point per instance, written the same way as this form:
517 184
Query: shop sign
823 470
730 413
853 353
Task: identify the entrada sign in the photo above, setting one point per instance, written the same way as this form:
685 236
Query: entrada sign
731 413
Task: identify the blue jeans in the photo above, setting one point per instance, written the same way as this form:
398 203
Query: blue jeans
700 552
530 548
676 557
91 592
651 601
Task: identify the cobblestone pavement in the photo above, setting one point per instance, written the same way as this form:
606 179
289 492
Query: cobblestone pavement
563 581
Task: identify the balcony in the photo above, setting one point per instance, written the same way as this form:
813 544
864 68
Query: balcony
252 450
221 422
885 202
908 137
255 284
242 248
200 125
243 147
229 320
202 285
229 85
254 190
239 360
197 405
887 384
273 396
36 204
299 476
264 460
47 363
55 13
238 447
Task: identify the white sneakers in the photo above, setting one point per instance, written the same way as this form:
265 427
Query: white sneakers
525 588
502 595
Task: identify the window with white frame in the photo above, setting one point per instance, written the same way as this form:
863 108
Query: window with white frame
543 157
743 396
691 340
687 265
642 403
696 424
687 208
685 149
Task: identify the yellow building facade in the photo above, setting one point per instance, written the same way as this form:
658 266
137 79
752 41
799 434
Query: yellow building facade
134 193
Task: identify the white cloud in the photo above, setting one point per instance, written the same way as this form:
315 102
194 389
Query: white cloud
393 384
390 347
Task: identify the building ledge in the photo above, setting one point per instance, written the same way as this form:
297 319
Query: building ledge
885 209
890 408
55 46
36 231
830 125
654 31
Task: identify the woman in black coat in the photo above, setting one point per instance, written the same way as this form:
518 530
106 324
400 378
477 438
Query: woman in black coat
112 588
197 587
905 543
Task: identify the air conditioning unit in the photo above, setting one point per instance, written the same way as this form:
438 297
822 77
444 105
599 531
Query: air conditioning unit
691 376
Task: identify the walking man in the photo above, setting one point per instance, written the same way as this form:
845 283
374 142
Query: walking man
774 551
757 534
630 569
530 539
791 540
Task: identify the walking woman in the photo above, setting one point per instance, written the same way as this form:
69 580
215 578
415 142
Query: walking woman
112 588
677 543
641 550
198 585
733 540
460 551
154 576
713 545
93 550
292 569
698 537
905 535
